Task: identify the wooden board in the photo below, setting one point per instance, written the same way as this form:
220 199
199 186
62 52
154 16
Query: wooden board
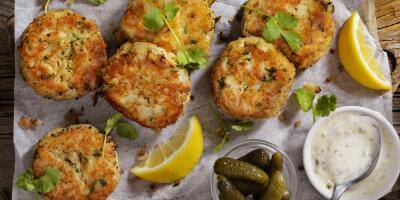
388 21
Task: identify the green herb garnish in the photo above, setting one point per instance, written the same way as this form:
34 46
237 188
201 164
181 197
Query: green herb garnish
282 25
227 128
124 129
325 104
44 184
155 19
304 99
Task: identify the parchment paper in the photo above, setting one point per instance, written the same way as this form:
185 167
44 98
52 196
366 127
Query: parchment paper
196 185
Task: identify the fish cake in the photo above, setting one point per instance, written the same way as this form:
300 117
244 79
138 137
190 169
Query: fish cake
62 53
251 79
143 82
77 152
193 24
316 26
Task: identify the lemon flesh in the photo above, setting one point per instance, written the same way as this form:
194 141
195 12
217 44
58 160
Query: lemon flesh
358 57
174 158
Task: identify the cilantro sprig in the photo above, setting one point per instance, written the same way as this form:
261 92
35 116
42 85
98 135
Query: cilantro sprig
281 25
325 103
226 128
44 184
123 129
155 19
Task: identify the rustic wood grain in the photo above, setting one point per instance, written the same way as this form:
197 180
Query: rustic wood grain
388 21
6 97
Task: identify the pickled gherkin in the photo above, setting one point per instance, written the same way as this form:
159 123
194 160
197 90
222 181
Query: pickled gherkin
276 187
258 158
236 169
276 163
227 191
247 187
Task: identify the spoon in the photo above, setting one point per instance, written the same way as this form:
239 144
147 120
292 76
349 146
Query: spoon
341 187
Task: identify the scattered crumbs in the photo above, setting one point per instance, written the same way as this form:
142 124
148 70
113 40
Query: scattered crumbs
223 37
330 79
141 154
311 87
300 168
95 98
282 117
332 51
340 67
217 19
27 123
153 188
176 184
191 97
120 35
73 116
220 131
297 124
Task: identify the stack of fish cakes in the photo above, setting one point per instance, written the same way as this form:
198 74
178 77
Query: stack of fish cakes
252 79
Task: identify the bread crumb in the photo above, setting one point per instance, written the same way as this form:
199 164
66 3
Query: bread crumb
26 123
330 79
142 153
297 124
73 115
311 87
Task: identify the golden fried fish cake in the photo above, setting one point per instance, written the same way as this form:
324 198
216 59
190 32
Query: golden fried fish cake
316 26
62 53
77 152
143 82
251 79
193 24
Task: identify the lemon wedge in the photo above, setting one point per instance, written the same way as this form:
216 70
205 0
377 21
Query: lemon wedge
173 159
358 56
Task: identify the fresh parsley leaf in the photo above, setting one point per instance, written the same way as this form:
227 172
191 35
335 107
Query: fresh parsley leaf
192 58
111 122
227 128
304 99
43 184
285 20
170 11
282 25
153 19
127 131
271 32
241 126
97 2
26 181
293 39
325 105
222 143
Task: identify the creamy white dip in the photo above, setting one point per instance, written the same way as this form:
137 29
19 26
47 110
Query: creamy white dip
342 149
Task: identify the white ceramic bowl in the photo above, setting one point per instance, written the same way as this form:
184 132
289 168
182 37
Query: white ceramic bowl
394 168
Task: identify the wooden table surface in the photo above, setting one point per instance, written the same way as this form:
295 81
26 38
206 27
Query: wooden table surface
388 21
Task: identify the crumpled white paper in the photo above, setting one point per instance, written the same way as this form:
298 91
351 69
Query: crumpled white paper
196 185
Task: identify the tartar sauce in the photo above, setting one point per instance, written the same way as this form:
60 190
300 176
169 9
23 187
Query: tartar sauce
343 149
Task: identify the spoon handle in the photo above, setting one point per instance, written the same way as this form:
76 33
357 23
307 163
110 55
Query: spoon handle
338 191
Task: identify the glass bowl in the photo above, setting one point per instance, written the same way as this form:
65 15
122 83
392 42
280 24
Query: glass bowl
289 171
